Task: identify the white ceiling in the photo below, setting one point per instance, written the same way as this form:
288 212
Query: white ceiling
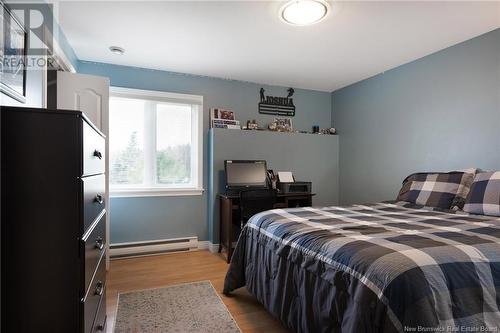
245 40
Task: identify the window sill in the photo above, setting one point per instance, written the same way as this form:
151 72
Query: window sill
131 193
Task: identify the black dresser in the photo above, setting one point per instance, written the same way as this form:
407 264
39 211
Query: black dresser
53 226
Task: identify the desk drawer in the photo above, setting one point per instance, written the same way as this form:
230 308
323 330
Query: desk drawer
95 245
94 148
93 198
94 294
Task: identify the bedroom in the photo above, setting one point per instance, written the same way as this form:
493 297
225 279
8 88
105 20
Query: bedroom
396 89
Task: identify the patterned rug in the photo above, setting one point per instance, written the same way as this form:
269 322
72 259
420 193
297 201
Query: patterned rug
191 307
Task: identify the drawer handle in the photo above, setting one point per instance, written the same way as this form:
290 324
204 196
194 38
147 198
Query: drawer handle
99 199
97 154
99 288
99 243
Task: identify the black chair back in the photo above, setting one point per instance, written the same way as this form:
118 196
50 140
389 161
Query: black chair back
255 201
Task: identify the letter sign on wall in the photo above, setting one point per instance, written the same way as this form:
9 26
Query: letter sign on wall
281 106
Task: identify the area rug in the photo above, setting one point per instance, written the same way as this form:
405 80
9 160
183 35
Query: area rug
192 307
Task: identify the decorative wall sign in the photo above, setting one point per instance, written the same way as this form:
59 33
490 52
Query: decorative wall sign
281 106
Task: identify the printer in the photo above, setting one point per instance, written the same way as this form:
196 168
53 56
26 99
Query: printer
288 184
295 187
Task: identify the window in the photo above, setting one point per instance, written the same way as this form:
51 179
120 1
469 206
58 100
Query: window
155 143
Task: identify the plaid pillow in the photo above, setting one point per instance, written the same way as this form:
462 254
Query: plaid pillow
484 195
437 189
465 185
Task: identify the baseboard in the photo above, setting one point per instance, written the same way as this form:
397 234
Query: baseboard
207 245
203 245
213 247
146 248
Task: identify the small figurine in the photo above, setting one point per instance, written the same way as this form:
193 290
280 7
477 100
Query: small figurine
252 125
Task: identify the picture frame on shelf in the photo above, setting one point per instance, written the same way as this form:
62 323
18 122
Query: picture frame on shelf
218 113
222 118
226 114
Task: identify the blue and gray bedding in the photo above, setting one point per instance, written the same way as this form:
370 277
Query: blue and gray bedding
384 267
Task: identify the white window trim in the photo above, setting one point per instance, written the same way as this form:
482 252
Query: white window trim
198 136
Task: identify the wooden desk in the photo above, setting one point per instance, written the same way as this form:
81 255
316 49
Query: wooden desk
230 223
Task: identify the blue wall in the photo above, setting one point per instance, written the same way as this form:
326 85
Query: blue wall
440 112
138 219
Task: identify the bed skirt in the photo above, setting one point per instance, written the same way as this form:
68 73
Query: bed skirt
305 294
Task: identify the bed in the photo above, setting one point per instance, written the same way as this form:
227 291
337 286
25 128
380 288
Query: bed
383 267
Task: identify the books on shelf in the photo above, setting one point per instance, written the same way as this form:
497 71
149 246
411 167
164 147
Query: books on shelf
225 122
221 118
227 126
222 123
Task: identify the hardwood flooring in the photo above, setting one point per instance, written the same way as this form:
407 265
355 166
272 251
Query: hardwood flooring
163 270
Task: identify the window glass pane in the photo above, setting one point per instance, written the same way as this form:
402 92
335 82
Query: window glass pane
126 141
173 144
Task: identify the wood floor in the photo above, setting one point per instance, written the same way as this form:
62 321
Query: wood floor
169 269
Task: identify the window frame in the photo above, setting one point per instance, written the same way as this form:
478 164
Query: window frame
197 136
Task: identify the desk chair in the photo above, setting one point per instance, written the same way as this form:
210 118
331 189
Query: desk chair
255 201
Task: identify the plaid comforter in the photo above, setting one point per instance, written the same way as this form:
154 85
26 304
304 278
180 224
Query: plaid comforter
431 270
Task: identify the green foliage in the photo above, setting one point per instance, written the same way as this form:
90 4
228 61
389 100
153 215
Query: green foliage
173 165
127 167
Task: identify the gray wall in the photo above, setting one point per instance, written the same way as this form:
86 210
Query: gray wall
138 219
310 157
441 112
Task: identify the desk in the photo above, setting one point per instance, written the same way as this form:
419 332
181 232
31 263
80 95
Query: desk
229 221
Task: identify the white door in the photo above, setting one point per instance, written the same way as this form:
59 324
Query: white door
89 94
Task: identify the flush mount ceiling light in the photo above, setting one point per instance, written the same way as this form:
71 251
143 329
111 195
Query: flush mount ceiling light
117 50
304 12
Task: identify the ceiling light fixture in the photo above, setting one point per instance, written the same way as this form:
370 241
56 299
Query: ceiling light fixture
117 50
304 12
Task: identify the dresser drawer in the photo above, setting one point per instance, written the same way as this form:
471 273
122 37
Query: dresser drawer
94 295
95 245
100 317
93 198
93 151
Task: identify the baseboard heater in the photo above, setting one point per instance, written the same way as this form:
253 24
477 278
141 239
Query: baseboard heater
147 248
